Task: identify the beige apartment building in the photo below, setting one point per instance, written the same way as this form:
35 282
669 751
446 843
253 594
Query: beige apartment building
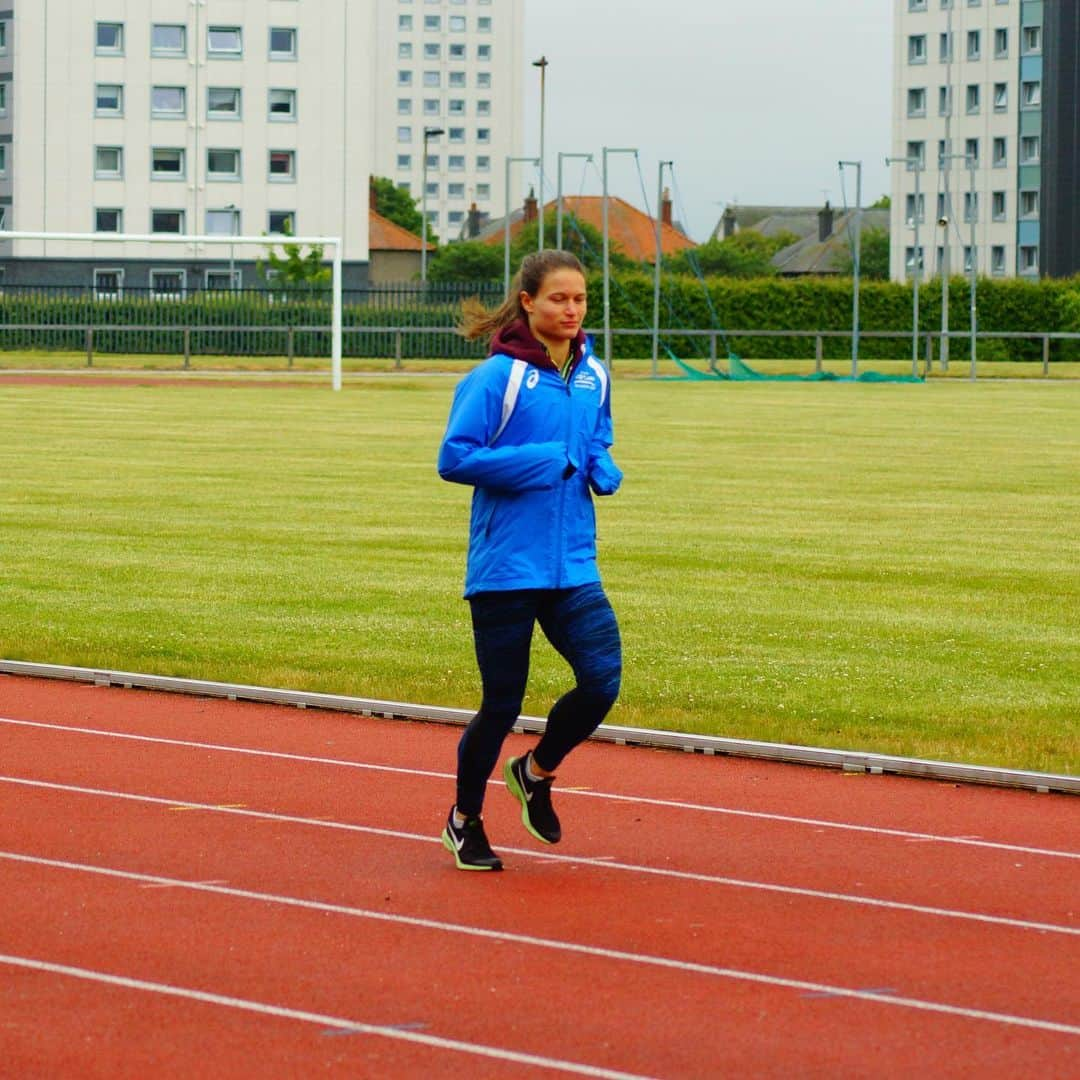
239 117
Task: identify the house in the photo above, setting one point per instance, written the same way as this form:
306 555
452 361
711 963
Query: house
630 230
827 251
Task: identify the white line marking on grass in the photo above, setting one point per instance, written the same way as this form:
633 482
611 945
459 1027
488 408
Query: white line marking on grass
882 996
603 862
332 1022
966 841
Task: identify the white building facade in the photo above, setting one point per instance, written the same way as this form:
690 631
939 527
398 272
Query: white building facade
458 67
233 117
967 92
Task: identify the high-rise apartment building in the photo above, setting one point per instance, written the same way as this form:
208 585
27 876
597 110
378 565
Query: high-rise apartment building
240 117
970 113
454 66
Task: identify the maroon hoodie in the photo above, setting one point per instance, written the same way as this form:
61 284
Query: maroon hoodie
517 341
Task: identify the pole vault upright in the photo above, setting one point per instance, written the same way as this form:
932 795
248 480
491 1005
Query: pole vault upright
607 251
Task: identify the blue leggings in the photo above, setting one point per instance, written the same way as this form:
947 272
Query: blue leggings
580 624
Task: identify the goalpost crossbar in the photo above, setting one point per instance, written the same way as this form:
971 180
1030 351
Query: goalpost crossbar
333 242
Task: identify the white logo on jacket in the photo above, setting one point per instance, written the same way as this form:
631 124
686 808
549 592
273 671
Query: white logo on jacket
585 380
533 379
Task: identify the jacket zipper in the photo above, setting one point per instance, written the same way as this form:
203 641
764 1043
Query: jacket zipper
559 538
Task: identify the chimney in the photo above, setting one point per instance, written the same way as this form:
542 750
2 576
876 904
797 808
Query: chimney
665 207
729 222
530 207
825 222
372 200
473 228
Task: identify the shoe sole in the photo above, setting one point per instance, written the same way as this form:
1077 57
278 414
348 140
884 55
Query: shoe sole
514 788
448 843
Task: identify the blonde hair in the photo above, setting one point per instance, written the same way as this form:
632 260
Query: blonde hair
478 321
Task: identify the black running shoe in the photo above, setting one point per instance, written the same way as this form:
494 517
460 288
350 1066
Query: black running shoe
537 813
469 845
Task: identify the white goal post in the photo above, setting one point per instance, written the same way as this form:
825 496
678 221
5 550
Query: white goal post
333 242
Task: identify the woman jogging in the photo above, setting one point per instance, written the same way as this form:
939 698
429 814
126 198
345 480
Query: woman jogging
530 429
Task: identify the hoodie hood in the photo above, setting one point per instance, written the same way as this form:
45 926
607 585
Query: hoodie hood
516 340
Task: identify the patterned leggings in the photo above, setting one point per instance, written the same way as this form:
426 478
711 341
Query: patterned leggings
581 625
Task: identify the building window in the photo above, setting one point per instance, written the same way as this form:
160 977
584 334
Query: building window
167 221
483 107
432 50
109 38
456 135
483 52
404 22
1029 259
108 162
1001 43
945 47
909 259
998 209
108 220
455 162
404 106
3 38
404 50
455 191
916 49
109 99
282 104
1031 94
483 135
223 222
483 24
433 23
432 79
997 259
167 163
457 24
910 208
971 207
916 5
282 164
483 192
483 163
456 107
1001 97
974 44
1029 204
222 280
970 255
971 152
1029 150
1031 40
456 51
404 77
168 39
404 161
168 284
917 150
223 164
108 284
3 98
404 134
971 99
456 79
483 80
944 101
1001 153
168 102
431 189
282 43
281 222
224 41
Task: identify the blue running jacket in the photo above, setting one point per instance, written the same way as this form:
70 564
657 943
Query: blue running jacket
531 445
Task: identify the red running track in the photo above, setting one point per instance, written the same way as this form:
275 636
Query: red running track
245 890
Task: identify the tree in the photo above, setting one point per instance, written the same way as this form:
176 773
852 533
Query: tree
468 260
746 254
398 206
874 256
295 271
579 237
884 203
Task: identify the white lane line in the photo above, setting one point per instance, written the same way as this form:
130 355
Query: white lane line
334 1022
686 966
602 862
966 841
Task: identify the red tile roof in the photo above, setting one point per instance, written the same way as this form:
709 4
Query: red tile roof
633 231
386 235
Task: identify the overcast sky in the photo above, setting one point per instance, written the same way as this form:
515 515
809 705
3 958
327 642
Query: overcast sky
754 100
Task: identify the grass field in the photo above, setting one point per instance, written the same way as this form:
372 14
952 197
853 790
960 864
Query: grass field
885 568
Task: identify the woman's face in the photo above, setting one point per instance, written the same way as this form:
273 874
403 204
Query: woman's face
558 309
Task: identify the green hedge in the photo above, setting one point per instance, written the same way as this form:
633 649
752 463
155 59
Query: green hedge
760 304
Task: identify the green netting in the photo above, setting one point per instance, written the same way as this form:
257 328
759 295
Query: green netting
739 371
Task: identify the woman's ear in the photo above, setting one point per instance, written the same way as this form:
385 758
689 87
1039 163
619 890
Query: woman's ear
526 301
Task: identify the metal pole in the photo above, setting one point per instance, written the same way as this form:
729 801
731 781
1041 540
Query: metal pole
857 262
429 133
974 269
559 196
506 220
607 252
335 328
918 278
542 64
656 275
943 350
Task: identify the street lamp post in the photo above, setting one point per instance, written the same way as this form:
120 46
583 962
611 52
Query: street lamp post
429 133
607 250
559 195
542 64
506 221
858 261
914 165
